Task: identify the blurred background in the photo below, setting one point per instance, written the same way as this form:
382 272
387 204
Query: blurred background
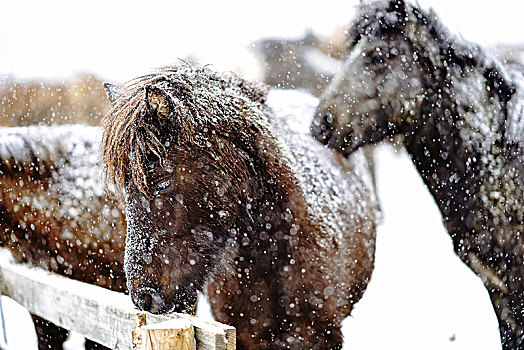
55 54
116 40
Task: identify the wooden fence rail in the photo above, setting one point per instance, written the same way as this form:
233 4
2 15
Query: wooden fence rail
106 317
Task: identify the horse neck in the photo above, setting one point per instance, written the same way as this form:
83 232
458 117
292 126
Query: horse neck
278 213
459 137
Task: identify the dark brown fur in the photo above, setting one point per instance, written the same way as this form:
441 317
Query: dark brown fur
216 200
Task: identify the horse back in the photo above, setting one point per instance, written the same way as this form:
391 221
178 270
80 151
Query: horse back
38 151
338 192
54 212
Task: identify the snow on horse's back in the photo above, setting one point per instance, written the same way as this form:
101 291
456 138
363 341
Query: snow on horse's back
55 213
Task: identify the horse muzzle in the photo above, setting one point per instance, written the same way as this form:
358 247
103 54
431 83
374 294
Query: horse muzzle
151 299
322 128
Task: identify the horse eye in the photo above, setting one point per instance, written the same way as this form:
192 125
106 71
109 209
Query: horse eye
163 186
379 60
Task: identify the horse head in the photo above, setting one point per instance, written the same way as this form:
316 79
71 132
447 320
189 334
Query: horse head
178 144
389 69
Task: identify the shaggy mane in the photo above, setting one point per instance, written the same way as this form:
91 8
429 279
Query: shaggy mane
135 138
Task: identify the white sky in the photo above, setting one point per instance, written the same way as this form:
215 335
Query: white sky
121 39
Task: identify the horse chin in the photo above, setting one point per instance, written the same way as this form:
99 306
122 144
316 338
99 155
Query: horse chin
350 148
329 136
345 143
325 131
150 297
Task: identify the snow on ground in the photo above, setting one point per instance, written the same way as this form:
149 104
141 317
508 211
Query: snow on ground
420 297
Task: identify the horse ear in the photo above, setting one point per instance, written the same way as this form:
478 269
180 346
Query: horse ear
157 101
256 91
114 92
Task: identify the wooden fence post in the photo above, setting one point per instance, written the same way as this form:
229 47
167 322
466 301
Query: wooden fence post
169 335
138 322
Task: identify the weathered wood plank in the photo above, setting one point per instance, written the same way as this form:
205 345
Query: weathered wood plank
169 335
139 322
213 335
99 314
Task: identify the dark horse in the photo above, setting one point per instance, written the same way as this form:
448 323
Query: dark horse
460 113
223 194
54 212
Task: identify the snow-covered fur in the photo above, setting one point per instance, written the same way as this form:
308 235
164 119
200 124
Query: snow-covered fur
305 64
227 192
54 212
461 115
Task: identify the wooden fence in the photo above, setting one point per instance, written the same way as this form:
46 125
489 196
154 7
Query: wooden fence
106 317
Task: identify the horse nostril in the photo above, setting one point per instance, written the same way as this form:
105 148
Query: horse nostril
145 301
322 127
148 299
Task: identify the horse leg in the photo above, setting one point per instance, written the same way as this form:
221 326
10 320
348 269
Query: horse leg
91 345
50 336
509 310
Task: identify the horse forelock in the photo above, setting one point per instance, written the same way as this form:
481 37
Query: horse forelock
123 143
382 20
374 20
202 103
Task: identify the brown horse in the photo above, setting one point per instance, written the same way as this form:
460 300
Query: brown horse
54 212
224 193
461 115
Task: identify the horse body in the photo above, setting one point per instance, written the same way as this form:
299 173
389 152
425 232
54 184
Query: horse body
325 269
54 212
283 244
478 188
460 113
